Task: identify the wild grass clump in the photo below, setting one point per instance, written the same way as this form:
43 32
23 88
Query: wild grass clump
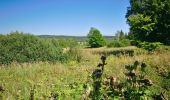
72 54
126 51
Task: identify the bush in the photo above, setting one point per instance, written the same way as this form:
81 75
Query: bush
150 46
21 47
73 54
119 43
65 43
134 42
115 43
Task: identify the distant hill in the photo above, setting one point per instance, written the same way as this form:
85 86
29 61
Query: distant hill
78 38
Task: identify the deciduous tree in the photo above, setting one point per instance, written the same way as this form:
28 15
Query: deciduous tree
149 20
95 38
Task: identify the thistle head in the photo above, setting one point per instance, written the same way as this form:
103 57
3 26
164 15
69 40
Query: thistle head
103 58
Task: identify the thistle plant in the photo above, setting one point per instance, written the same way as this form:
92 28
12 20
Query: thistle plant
135 87
93 88
136 84
100 88
97 80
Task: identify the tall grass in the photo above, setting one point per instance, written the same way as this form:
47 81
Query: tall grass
65 80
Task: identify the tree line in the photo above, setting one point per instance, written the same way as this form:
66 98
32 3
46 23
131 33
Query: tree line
149 21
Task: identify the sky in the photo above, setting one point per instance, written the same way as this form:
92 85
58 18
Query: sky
63 17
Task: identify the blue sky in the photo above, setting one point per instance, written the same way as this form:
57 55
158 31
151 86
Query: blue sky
63 17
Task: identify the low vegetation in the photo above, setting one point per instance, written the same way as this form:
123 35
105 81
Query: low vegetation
69 80
134 87
133 66
119 43
20 47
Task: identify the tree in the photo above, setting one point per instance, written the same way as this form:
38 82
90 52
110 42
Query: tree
149 20
120 35
141 26
95 38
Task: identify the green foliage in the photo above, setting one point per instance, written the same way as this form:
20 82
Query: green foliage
95 38
119 43
126 42
149 20
73 54
20 47
140 26
149 46
136 86
115 43
134 42
120 35
66 43
62 81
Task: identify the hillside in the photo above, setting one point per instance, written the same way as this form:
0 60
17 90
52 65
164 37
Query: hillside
78 38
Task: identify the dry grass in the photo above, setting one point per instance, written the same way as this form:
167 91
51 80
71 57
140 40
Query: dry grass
105 49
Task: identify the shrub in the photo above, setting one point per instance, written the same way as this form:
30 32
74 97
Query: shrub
21 47
134 42
115 43
73 54
119 43
149 46
65 43
126 42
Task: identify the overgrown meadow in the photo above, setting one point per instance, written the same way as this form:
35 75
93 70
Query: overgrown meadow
34 68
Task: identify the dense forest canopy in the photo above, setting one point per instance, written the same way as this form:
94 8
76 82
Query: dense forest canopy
149 20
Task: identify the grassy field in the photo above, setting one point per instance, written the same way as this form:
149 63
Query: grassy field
43 80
